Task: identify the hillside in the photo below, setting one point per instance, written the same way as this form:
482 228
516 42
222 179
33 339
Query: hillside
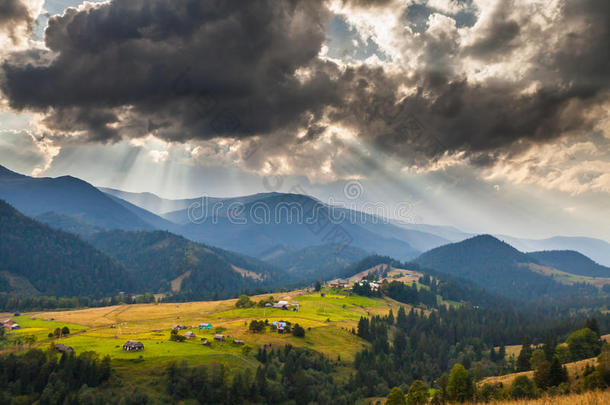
597 249
321 262
161 262
69 196
493 265
571 262
52 261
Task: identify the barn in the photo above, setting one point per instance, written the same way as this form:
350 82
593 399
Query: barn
133 346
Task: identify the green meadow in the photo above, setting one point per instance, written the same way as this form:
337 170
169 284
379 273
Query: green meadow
328 321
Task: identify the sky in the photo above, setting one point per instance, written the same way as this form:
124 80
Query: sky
488 115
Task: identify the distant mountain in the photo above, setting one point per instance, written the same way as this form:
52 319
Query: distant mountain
254 224
69 196
570 262
42 260
150 201
162 262
448 233
596 249
313 262
177 211
151 219
493 265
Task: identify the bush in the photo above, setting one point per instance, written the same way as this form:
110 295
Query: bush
175 337
522 387
583 344
396 397
244 302
257 326
298 331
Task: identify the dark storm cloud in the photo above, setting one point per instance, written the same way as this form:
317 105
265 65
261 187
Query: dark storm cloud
13 13
174 63
583 56
499 37
199 69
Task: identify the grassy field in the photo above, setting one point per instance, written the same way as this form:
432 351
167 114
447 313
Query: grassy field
588 398
328 322
575 370
568 278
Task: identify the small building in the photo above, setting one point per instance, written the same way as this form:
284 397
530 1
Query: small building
9 325
189 335
280 326
133 346
179 327
340 284
205 342
268 305
219 338
205 325
238 342
281 305
63 348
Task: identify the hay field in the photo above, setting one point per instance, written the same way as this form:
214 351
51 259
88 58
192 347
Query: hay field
328 322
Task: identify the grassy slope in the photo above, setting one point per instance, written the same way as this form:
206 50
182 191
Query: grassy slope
568 278
328 320
588 398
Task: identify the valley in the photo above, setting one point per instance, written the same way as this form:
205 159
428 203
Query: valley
353 316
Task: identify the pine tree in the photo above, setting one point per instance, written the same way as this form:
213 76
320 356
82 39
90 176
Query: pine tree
549 346
523 361
363 328
557 373
401 318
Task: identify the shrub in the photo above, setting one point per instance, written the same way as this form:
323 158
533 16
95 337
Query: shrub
583 344
244 302
396 397
257 326
298 331
522 387
175 337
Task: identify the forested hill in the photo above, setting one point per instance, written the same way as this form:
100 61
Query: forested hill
431 286
161 262
322 261
495 266
571 262
53 262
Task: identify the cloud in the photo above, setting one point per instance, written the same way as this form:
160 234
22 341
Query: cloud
25 152
181 69
574 168
254 73
15 18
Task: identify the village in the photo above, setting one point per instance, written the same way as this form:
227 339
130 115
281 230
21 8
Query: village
255 328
